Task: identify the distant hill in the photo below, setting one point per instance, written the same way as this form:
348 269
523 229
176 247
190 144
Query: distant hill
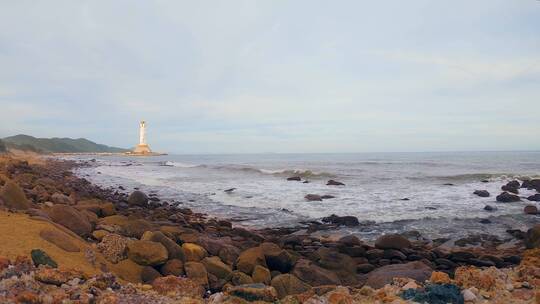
57 145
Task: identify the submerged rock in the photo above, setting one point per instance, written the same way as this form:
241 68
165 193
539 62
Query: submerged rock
481 193
534 198
490 208
342 220
334 183
294 178
313 198
530 209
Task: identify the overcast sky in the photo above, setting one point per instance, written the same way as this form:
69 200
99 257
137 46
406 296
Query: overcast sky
274 76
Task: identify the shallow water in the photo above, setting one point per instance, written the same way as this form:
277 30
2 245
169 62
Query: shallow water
375 185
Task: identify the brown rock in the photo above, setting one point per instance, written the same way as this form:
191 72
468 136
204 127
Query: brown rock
179 287
149 274
173 267
173 249
314 275
59 198
287 284
147 253
229 254
13 196
249 258
261 275
384 275
70 218
392 241
196 272
136 228
55 276
194 252
215 266
240 278
60 239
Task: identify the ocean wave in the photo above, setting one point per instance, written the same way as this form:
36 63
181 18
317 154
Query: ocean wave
281 172
477 177
178 164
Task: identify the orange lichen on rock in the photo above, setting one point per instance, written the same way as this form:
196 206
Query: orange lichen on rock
438 277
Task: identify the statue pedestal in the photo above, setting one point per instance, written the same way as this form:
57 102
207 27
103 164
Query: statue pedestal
142 149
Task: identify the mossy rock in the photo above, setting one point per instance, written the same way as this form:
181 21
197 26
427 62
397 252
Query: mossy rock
40 257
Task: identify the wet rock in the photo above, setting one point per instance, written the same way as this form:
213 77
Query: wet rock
490 208
230 190
313 197
512 186
137 198
294 178
261 275
485 221
392 241
506 197
147 253
349 221
384 275
534 198
530 209
481 193
197 272
113 247
461 256
374 254
215 266
254 292
288 284
394 254
173 267
249 258
532 239
180 287
334 183
326 196
60 239
314 275
70 218
40 257
13 196
149 274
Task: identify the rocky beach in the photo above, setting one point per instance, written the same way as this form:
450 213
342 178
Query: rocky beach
66 240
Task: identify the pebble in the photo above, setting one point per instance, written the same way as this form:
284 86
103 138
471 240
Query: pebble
468 295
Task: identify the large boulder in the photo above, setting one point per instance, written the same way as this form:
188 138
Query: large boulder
532 239
147 253
70 218
392 241
512 186
136 228
384 275
149 274
13 196
287 284
531 184
506 197
215 266
174 250
314 275
59 198
137 198
249 258
261 275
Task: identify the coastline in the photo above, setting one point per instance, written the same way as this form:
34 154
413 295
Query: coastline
149 240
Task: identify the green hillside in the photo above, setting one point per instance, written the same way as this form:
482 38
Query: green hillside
57 145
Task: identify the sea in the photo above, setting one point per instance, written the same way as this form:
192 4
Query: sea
431 193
